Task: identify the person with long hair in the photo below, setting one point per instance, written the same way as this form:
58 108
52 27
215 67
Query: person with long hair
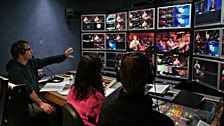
86 94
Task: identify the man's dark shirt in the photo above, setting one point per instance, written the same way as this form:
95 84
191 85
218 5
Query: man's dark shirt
131 110
27 74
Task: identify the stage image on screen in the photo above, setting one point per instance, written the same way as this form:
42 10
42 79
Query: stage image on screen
100 54
208 12
173 66
116 21
177 16
222 51
221 85
173 42
113 59
116 41
143 42
93 41
205 72
206 42
94 22
141 19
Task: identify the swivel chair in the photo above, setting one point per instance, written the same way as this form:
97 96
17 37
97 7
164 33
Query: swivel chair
71 117
3 98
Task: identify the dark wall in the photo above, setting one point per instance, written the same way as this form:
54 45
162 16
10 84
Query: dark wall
43 24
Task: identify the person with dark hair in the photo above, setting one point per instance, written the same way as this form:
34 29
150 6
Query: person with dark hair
129 106
86 94
23 69
213 6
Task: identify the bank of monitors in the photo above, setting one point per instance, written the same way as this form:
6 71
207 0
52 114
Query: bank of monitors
172 66
141 19
116 41
101 54
93 41
93 23
113 59
116 21
208 12
176 16
205 72
143 42
206 42
173 42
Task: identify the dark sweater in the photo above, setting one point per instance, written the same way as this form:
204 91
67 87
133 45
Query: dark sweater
131 110
27 74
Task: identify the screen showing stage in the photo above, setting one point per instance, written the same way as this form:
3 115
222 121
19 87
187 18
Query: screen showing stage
116 41
113 59
205 72
93 41
142 19
100 54
173 42
208 12
172 66
94 22
177 16
143 42
116 21
206 42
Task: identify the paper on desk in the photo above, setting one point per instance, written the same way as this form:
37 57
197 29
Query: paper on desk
108 91
54 86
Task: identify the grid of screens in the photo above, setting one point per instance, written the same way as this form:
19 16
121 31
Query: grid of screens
173 42
116 41
116 21
208 12
173 66
205 72
100 54
93 23
206 42
113 59
93 41
142 19
140 41
177 16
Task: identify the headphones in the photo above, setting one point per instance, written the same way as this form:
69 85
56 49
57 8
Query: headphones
88 58
20 46
150 76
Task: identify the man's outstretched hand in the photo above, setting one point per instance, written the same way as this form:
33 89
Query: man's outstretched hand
68 53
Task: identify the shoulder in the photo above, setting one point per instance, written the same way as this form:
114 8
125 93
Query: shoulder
159 116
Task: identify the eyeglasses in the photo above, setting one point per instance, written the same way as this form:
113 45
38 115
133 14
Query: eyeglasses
27 49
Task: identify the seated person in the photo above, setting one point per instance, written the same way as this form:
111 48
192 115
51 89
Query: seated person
135 44
171 45
129 106
86 94
159 47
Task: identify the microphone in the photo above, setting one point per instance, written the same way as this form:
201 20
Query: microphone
53 77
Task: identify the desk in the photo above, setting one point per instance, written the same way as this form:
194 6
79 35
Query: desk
60 100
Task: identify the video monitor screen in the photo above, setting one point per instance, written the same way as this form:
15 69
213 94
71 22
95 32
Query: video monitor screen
95 22
205 72
177 16
221 85
222 49
143 42
172 66
100 54
116 21
93 41
113 59
206 42
173 42
116 41
208 12
142 19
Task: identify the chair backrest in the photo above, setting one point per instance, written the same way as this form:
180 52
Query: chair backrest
3 97
71 117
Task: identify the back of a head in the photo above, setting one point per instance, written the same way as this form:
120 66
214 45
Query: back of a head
135 72
88 75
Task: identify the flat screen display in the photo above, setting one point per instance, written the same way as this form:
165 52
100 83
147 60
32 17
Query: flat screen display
93 41
99 53
206 42
113 59
94 22
176 16
205 72
141 19
116 21
222 41
116 41
208 12
221 85
173 42
143 42
172 66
